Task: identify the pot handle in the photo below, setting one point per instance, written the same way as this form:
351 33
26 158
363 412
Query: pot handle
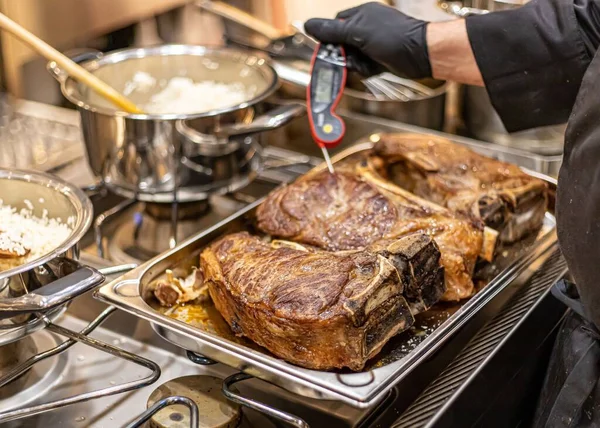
458 9
76 55
52 295
265 122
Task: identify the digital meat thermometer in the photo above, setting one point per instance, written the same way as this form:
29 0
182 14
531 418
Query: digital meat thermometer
327 83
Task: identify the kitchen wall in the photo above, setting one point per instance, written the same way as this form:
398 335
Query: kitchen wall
66 24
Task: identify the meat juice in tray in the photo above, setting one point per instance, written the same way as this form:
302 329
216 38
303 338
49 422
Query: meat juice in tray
355 270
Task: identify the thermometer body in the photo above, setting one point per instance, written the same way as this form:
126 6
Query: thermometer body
327 83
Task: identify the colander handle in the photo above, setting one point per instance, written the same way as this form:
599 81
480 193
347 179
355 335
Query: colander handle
52 295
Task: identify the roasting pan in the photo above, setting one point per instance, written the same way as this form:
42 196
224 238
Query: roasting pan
399 357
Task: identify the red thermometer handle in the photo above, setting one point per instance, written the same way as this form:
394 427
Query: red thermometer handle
324 93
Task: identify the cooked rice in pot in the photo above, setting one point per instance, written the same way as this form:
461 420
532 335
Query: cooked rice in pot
25 237
181 95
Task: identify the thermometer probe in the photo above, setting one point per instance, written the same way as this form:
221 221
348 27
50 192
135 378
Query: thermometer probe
327 83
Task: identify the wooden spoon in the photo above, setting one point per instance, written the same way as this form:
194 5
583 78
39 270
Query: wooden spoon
70 67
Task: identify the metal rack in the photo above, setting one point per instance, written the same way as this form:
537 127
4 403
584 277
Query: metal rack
72 338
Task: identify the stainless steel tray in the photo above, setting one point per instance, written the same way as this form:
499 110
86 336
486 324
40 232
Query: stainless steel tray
400 356
296 136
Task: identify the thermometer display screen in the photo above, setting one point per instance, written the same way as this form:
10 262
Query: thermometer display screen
324 85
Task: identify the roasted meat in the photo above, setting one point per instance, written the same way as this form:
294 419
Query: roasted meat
498 194
319 309
355 208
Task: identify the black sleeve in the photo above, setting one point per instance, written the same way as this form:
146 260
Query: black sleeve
578 199
533 58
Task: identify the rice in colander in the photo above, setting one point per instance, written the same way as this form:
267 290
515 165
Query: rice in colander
28 237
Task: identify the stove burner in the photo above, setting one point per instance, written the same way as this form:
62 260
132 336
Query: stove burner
215 410
149 230
185 210
141 231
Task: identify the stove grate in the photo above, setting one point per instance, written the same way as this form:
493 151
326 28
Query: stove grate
72 338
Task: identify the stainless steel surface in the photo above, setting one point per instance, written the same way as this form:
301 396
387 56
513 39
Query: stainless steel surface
47 406
46 192
255 405
140 154
425 111
53 279
32 360
86 369
357 389
11 331
39 379
52 295
30 142
484 123
296 137
267 122
478 7
132 232
10 356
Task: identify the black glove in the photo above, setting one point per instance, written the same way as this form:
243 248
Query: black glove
377 38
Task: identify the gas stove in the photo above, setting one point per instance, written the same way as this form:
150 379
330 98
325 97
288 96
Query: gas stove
137 369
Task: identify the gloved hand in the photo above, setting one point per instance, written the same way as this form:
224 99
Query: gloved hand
377 38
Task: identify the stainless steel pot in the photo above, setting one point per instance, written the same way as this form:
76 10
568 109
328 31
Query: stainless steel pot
140 155
46 284
479 116
427 112
484 123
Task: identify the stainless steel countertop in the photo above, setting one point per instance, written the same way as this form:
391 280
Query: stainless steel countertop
96 369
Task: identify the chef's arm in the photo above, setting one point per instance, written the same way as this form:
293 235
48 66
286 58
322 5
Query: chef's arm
450 53
531 59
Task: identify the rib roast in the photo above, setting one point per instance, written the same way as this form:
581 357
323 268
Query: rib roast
496 193
355 208
320 309
390 233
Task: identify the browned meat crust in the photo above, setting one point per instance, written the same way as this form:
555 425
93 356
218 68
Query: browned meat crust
498 194
355 208
319 309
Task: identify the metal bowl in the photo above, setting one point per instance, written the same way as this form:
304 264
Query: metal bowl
426 111
44 284
140 154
